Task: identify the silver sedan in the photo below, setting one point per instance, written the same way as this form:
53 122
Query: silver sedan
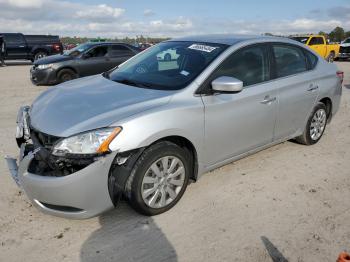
148 127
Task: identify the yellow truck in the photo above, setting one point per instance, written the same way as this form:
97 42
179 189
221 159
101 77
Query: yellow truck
320 45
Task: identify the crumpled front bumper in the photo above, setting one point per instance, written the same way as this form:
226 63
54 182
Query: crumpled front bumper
81 195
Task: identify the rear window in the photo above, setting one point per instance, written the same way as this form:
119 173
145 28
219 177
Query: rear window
290 60
316 41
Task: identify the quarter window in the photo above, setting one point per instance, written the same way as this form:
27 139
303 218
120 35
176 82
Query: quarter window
290 60
119 50
250 65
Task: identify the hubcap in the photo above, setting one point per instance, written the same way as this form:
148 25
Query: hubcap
163 182
318 124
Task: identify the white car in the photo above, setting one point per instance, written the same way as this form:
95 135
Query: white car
168 55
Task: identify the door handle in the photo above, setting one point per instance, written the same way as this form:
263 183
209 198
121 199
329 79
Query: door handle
268 100
21 46
312 88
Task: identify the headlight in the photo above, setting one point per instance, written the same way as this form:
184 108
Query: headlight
93 142
45 66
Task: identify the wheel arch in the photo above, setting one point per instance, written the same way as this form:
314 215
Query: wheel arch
39 49
184 143
67 67
329 106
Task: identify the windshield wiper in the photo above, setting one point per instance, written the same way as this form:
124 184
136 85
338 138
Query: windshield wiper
132 83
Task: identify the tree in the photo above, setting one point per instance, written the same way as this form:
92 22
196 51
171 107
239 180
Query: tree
337 35
347 34
323 33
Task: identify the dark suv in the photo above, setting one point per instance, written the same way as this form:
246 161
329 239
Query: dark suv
83 60
31 47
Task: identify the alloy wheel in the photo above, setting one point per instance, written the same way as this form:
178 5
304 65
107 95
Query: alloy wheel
163 182
318 124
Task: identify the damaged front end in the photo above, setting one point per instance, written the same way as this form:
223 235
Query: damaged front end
67 184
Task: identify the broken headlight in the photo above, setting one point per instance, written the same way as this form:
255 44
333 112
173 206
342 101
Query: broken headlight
93 142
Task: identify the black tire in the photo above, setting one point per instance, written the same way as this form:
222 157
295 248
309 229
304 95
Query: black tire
331 57
148 157
65 75
39 55
167 57
305 138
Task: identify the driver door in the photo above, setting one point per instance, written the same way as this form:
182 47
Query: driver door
239 122
94 61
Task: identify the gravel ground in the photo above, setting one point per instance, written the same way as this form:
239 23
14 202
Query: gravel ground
286 203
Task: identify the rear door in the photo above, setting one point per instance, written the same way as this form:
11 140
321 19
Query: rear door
239 122
117 54
16 46
317 43
297 88
94 61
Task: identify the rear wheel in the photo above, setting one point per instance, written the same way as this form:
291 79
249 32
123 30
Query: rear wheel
66 75
331 57
40 55
159 178
315 126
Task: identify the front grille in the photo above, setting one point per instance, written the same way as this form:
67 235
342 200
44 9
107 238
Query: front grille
344 49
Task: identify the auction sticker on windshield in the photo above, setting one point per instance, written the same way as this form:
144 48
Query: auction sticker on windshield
204 48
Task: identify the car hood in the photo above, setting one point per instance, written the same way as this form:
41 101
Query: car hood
52 59
90 103
345 45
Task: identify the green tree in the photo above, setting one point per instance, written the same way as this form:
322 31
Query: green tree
347 34
337 35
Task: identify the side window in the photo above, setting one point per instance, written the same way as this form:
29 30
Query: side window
250 65
119 50
13 38
99 51
290 60
316 41
312 59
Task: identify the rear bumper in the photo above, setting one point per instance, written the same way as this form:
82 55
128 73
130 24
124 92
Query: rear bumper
81 195
43 77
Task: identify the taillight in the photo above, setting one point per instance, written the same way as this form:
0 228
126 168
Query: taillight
56 47
340 74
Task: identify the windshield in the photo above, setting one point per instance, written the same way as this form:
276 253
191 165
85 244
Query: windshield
301 39
346 41
167 66
78 50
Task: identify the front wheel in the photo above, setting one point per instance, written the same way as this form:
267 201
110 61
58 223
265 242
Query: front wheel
315 126
159 178
66 75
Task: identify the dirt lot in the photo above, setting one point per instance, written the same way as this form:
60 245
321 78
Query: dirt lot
290 202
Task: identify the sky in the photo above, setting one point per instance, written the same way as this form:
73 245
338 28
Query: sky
165 18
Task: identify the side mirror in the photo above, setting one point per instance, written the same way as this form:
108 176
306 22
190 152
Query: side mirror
226 84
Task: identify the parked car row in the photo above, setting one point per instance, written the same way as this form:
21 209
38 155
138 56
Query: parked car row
146 128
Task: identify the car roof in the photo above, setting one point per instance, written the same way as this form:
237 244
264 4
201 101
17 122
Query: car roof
105 43
226 39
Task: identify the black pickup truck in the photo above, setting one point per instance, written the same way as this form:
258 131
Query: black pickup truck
31 47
